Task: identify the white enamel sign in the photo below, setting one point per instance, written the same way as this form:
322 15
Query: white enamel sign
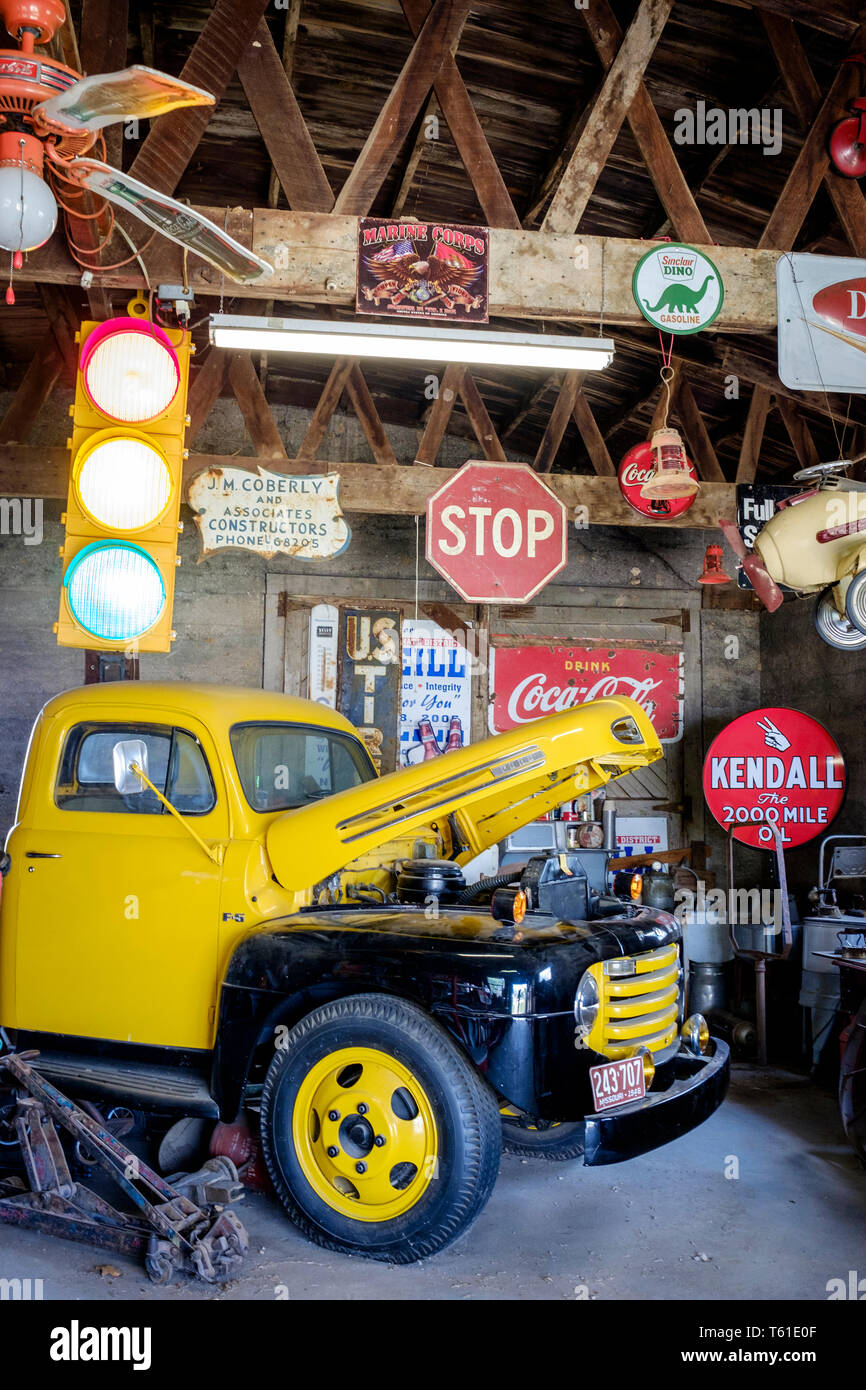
269 513
822 322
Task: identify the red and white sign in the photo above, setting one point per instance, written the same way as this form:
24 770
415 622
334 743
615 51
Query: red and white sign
635 470
496 532
822 322
529 682
775 765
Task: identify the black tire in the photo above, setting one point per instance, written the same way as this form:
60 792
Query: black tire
555 1143
466 1124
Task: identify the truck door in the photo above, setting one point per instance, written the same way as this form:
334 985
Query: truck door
118 907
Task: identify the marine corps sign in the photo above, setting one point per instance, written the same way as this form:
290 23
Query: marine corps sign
269 513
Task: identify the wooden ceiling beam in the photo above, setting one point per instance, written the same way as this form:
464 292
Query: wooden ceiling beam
327 404
697 436
206 388
530 403
290 40
805 94
609 110
668 179
467 131
34 471
439 415
753 434
258 418
798 432
282 126
441 30
365 408
751 369
560 416
592 437
479 418
173 139
837 17
813 162
33 391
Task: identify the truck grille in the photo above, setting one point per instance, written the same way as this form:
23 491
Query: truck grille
640 1009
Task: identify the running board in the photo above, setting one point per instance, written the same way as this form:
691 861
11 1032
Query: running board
135 1084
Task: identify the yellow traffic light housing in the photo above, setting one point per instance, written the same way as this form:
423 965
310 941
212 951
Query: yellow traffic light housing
125 484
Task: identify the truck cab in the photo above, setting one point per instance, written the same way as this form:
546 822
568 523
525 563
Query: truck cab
214 906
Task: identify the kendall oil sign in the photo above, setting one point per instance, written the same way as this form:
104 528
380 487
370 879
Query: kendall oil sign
822 322
774 765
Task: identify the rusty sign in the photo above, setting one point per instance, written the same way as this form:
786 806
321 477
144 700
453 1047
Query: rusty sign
269 513
427 270
370 668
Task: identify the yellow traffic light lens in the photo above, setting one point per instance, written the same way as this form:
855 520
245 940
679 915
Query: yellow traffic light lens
115 590
122 482
130 370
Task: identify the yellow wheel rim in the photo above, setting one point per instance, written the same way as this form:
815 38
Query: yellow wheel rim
364 1133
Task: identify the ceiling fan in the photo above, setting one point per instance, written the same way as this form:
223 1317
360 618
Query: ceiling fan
52 116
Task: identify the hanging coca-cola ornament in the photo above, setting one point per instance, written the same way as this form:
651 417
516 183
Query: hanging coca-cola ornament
656 477
635 472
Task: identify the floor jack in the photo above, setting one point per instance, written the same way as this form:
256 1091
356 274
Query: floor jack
181 1222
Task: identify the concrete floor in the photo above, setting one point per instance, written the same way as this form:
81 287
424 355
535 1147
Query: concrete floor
668 1225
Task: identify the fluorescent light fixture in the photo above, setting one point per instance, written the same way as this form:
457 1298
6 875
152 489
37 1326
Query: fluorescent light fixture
410 342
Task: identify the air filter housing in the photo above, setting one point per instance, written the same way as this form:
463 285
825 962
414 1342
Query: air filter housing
421 880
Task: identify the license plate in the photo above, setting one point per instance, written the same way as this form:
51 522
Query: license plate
615 1083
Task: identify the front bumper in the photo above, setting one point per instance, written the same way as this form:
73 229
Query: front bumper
698 1088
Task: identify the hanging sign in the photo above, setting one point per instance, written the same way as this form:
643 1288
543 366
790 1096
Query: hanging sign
269 513
496 532
756 504
779 765
821 302
635 470
677 288
370 680
428 270
528 682
436 688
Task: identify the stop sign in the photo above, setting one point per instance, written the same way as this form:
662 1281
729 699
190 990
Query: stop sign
496 532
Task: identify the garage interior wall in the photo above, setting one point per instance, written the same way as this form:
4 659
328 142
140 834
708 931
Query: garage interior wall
623 579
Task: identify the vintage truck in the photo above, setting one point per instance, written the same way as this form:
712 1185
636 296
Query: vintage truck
212 906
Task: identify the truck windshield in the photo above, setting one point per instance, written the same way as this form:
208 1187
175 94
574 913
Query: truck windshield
283 766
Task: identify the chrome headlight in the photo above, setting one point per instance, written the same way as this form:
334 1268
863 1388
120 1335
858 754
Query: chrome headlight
586 1005
696 1034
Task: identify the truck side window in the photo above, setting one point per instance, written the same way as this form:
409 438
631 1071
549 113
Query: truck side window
176 765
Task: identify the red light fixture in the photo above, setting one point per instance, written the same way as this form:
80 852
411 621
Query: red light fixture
713 572
671 477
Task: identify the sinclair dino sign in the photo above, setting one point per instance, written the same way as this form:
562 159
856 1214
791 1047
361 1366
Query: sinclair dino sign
677 288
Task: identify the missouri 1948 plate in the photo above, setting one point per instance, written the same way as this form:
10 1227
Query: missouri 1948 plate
615 1083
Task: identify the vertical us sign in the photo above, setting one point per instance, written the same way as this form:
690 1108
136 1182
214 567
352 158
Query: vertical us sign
370 680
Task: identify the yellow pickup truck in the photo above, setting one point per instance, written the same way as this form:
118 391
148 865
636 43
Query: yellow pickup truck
212 905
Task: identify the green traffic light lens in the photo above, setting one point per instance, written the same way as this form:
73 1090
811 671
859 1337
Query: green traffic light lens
115 590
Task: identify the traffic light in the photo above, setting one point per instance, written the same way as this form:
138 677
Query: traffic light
125 481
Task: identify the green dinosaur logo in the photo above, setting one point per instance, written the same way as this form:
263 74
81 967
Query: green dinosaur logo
679 299
677 288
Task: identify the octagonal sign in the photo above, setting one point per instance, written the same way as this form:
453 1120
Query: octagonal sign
496 532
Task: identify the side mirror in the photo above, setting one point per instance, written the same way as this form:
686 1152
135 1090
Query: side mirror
131 750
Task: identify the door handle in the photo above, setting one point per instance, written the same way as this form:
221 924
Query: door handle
37 854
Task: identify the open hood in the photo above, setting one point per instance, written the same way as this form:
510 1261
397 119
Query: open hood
490 788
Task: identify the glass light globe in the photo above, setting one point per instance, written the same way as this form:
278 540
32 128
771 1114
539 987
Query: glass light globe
28 212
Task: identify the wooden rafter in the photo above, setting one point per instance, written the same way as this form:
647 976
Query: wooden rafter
813 161
440 413
258 418
805 94
697 437
467 131
563 409
433 43
173 139
282 126
592 438
36 386
669 181
838 17
753 435
325 407
364 407
609 110
798 432
205 390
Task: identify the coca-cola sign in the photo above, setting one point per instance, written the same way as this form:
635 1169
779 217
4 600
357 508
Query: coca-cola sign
529 682
635 470
774 765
